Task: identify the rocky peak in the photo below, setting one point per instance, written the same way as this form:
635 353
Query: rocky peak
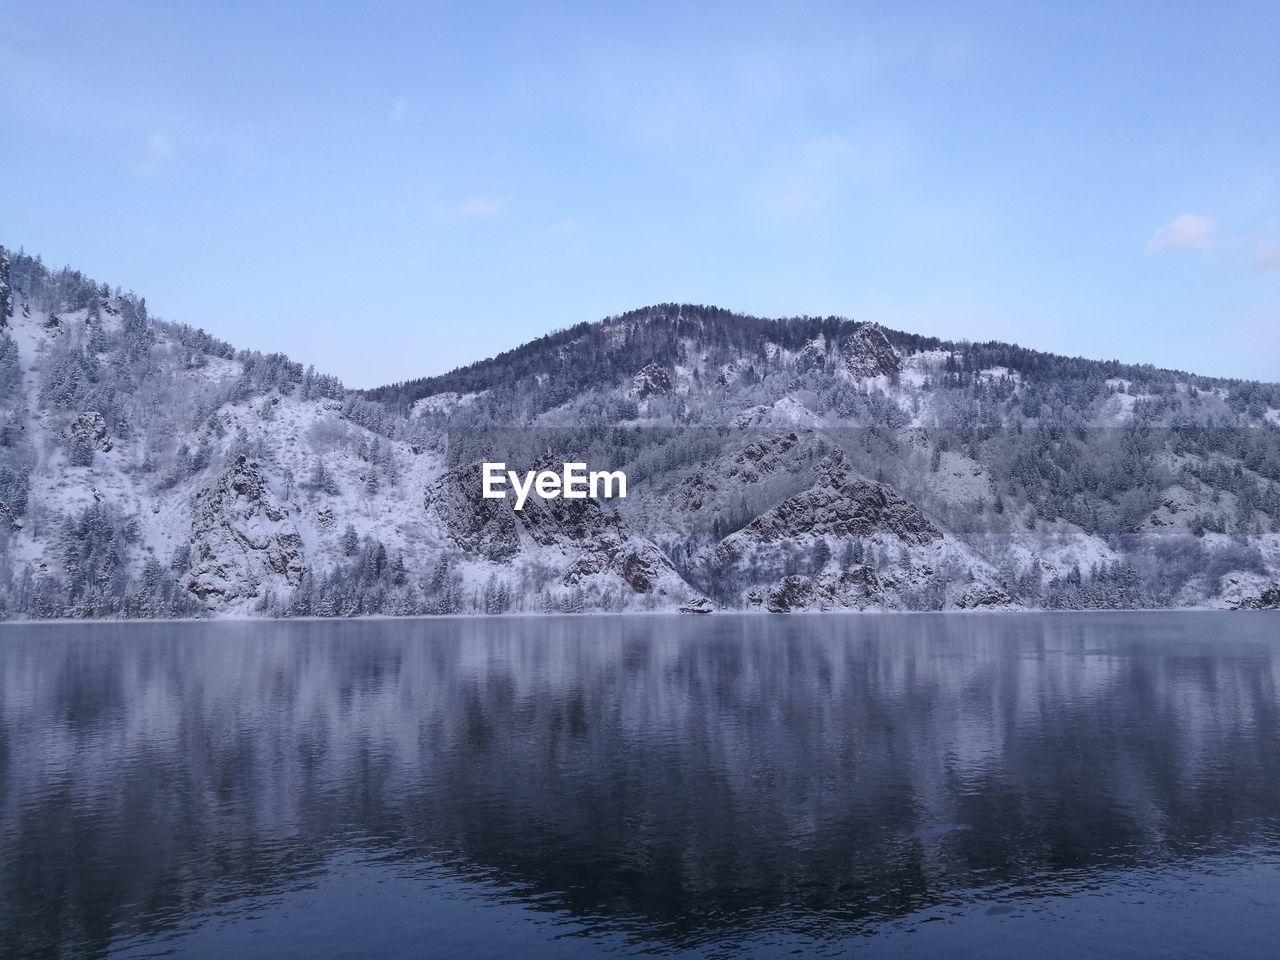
870 354
841 505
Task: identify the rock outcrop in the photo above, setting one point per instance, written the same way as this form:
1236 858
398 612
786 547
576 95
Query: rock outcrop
583 539
755 462
652 380
983 596
90 429
870 354
838 505
786 412
793 593
857 588
486 528
1268 599
845 543
241 539
813 355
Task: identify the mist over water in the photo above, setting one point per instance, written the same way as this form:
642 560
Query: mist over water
709 786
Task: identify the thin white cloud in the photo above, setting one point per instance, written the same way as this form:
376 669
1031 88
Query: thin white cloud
401 110
1187 231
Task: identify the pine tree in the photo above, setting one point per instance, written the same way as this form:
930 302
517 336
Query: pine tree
821 554
6 290
80 452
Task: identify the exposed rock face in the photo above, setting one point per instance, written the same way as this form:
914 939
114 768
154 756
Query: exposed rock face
552 522
652 380
643 566
1269 599
870 354
602 543
1242 590
241 538
90 429
857 588
813 355
584 537
698 605
759 459
838 505
848 544
793 593
478 526
983 596
785 413
752 416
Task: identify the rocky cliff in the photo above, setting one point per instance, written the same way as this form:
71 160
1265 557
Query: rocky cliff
582 544
240 538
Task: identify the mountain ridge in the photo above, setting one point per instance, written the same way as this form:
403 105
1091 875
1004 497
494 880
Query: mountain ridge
470 375
150 469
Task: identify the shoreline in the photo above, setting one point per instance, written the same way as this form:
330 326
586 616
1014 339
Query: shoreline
370 618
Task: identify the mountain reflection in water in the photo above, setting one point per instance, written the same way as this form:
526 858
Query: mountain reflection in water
711 785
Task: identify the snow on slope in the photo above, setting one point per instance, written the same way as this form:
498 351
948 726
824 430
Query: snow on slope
263 492
290 433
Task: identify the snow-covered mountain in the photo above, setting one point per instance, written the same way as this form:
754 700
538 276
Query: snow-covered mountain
148 469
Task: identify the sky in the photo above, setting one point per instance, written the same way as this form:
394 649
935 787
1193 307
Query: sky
391 190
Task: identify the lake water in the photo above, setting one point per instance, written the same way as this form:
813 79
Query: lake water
1007 786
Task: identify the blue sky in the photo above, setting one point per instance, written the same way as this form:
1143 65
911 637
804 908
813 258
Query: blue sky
391 190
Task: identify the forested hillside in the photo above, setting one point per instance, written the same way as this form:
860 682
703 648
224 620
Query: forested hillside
149 469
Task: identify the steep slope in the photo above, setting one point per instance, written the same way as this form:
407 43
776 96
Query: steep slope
227 477
861 544
576 553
